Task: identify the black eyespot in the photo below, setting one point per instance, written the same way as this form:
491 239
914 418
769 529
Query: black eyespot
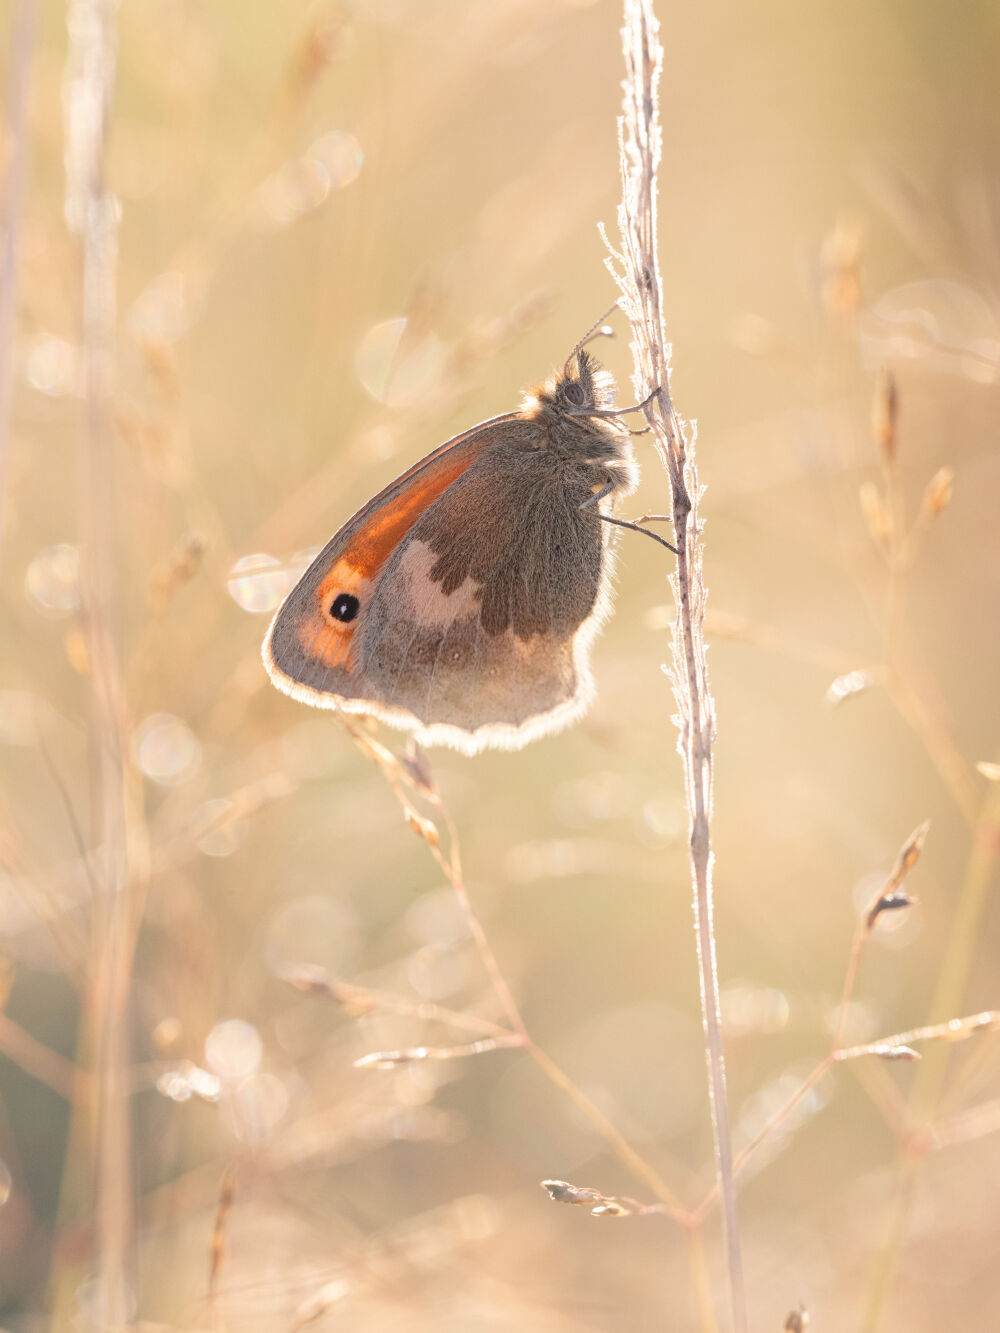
345 606
573 391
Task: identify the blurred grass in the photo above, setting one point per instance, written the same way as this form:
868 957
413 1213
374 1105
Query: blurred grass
487 135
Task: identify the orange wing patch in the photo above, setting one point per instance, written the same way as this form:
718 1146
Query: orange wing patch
322 636
311 651
326 638
371 545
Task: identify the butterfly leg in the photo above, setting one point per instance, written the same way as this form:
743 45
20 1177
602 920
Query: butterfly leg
634 527
620 411
598 496
637 527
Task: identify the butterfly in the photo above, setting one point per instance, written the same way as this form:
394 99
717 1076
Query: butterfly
460 604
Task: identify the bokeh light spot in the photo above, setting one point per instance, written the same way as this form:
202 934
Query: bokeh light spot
261 1104
52 581
186 1081
165 749
233 1049
295 189
257 583
341 155
165 310
331 162
222 832
948 325
52 366
398 368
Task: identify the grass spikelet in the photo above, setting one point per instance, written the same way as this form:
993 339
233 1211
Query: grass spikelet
885 410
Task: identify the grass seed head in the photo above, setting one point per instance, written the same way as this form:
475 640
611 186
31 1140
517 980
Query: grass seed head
423 827
876 513
888 902
937 495
885 411
840 260
909 853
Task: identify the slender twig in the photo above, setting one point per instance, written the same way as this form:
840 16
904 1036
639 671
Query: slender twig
416 782
636 269
91 212
980 876
359 1000
606 1128
39 1061
889 898
912 691
453 870
217 1244
451 866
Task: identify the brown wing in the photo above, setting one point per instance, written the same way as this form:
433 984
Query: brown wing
310 646
479 628
474 625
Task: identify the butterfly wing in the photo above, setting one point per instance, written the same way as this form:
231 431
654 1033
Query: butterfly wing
480 584
480 627
312 654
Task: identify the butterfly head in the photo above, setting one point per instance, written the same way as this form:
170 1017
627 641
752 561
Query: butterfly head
583 387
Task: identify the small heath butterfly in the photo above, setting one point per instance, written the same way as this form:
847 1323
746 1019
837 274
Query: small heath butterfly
460 604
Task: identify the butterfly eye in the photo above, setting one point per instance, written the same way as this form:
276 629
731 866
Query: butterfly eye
345 606
573 390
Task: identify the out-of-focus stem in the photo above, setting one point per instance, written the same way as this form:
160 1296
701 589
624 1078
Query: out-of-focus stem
14 168
980 875
623 1149
702 1281
91 213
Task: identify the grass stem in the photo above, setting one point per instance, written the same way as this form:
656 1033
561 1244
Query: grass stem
636 270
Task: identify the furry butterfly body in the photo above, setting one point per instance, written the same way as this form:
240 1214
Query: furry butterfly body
460 604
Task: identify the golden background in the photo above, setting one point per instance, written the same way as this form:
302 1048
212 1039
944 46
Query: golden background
292 178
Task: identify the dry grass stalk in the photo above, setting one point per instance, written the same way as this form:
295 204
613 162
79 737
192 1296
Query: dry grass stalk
13 173
885 410
907 684
411 1054
888 898
899 1045
39 1060
217 1244
91 212
360 1000
636 269
979 878
596 1203
411 781
909 689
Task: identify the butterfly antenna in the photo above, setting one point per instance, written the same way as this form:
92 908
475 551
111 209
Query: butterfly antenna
598 330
